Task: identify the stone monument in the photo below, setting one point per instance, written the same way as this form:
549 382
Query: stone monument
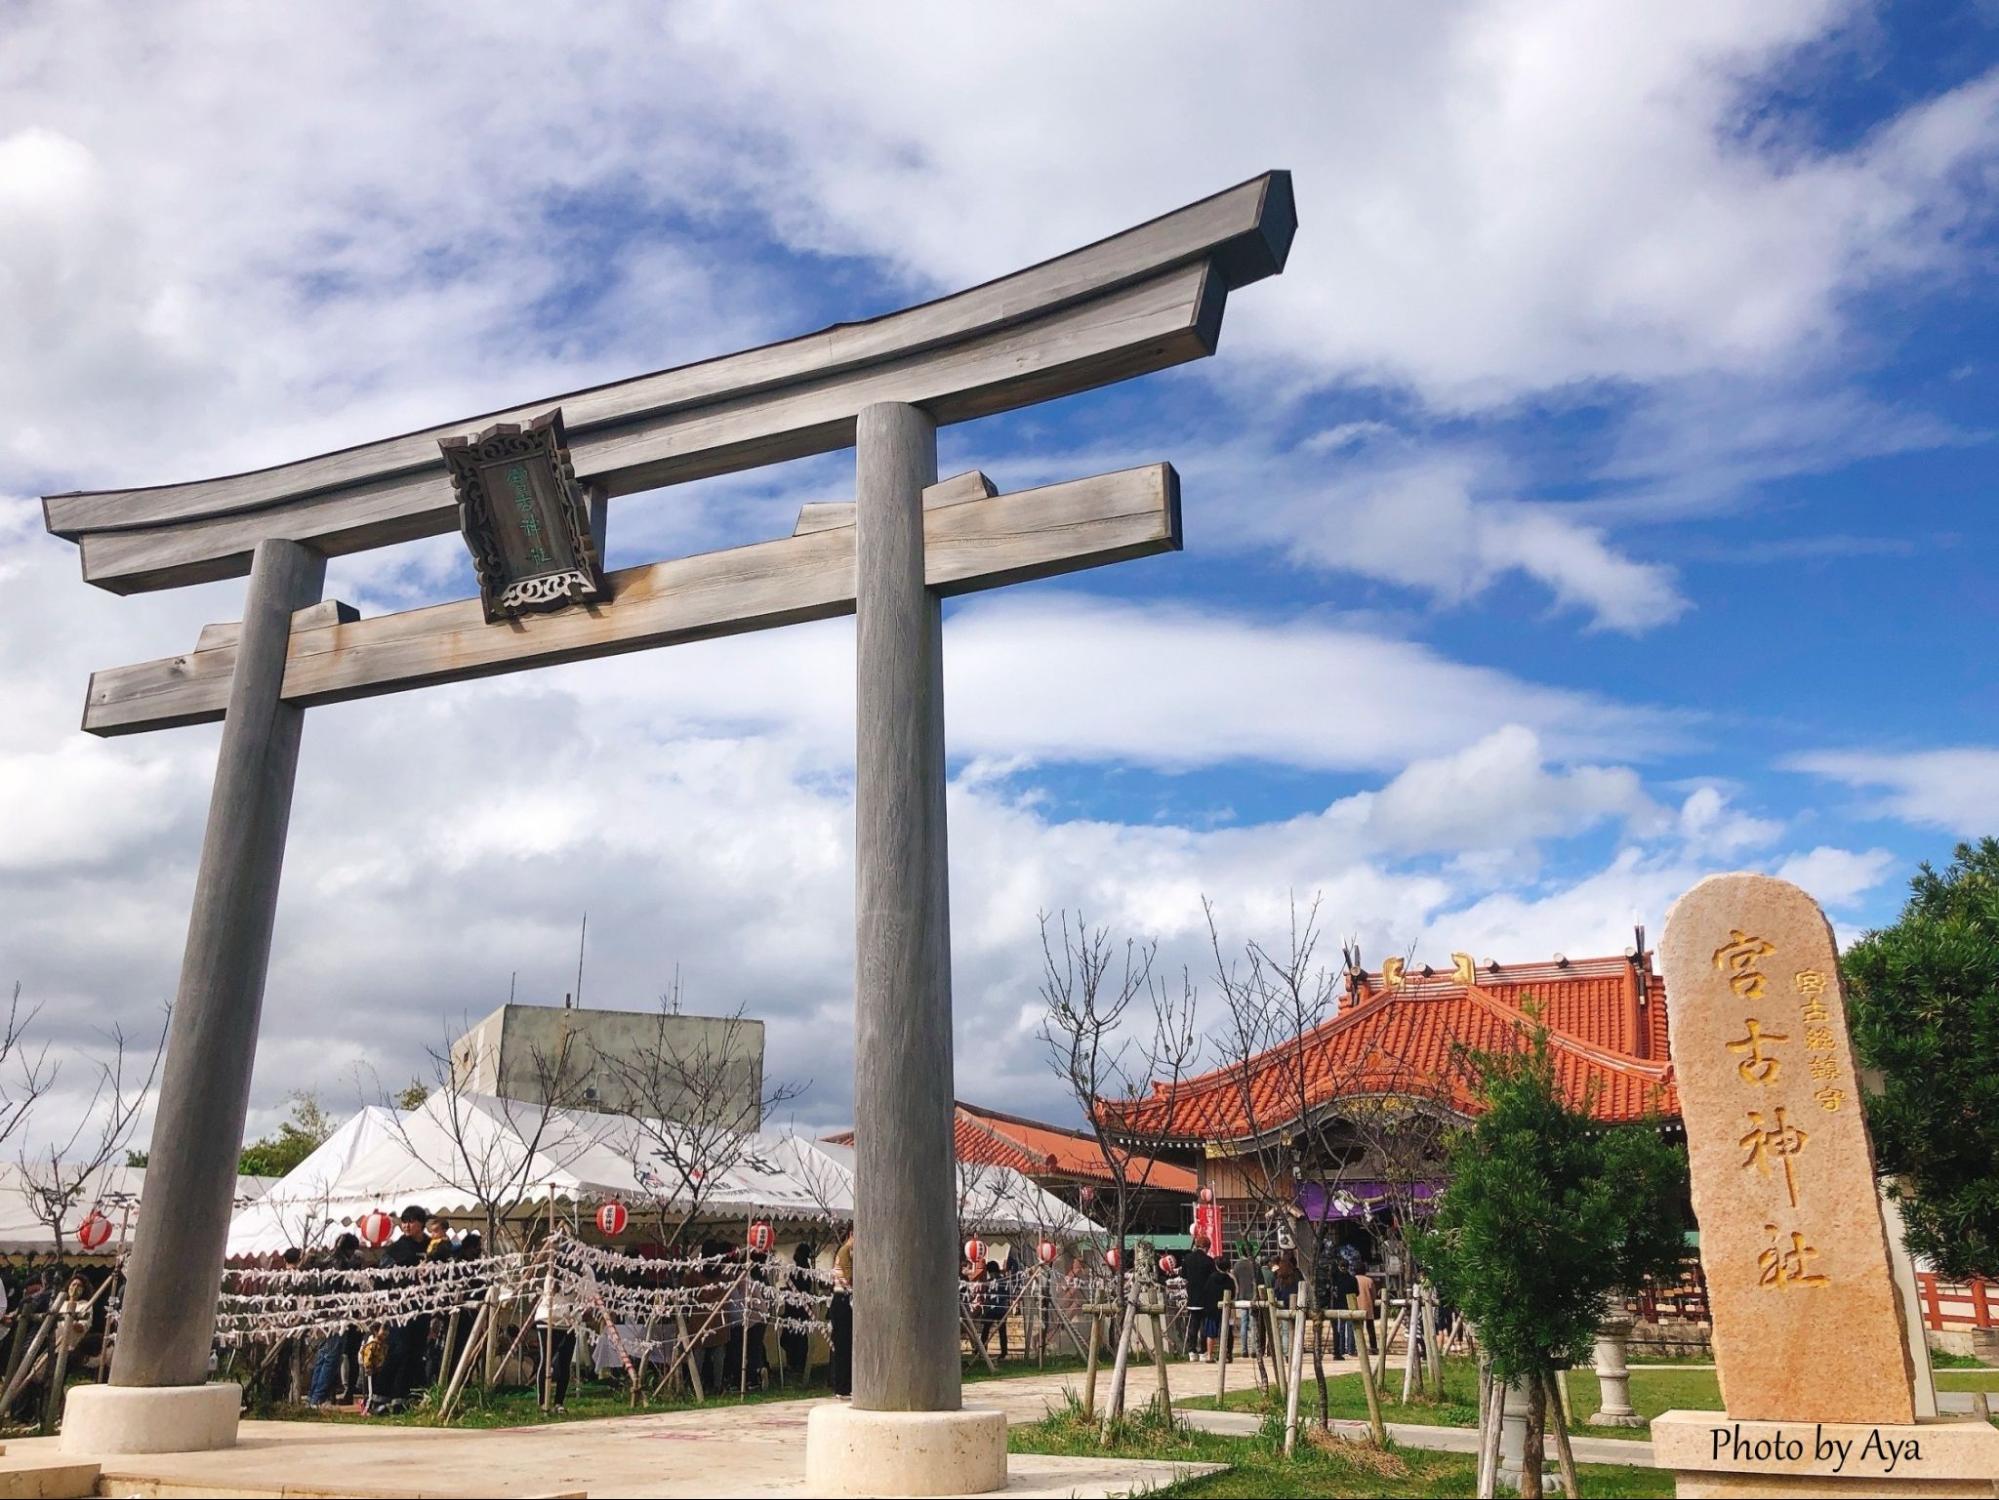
1810 1345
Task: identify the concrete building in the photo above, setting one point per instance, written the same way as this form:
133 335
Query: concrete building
700 1069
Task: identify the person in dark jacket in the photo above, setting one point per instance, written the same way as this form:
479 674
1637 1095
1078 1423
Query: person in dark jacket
1221 1285
407 1338
794 1345
1342 1292
1197 1268
327 1359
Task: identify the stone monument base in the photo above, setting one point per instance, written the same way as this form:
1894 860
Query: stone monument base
1712 1453
106 1419
854 1452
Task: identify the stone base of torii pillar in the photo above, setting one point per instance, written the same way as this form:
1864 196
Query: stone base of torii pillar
854 1452
100 1420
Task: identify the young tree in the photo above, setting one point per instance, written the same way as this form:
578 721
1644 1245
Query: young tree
58 1176
1547 1215
1108 1054
693 1095
1311 1110
1923 1002
36 1073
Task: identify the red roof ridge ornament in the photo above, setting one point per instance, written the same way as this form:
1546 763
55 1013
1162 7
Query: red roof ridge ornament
536 539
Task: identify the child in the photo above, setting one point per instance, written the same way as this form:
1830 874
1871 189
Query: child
374 1357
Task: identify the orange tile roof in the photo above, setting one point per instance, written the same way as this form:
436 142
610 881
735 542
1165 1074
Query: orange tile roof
1609 1049
987 1136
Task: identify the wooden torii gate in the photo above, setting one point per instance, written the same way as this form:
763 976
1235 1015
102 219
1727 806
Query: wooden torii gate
1143 300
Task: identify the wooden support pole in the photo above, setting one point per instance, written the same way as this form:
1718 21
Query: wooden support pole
1222 1371
1090 1366
1432 1349
1159 1357
1564 1454
906 1285
168 1319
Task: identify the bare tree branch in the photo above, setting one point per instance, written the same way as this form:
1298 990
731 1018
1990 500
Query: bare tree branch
55 1178
693 1095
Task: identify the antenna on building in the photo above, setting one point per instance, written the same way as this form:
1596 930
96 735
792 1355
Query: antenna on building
513 980
580 938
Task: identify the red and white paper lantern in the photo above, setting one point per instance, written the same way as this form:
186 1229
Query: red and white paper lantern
1168 1266
975 1252
612 1218
1047 1251
94 1231
762 1237
1114 1258
376 1227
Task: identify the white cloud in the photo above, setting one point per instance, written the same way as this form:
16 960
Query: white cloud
239 235
1954 789
1710 827
1496 794
1448 520
1837 877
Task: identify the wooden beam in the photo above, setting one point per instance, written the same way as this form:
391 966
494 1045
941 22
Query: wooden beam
969 546
781 401
326 612
824 515
1152 325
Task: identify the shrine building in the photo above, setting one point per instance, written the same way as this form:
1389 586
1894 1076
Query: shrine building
1352 1118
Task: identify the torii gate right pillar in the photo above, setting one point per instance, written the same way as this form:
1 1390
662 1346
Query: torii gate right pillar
906 1432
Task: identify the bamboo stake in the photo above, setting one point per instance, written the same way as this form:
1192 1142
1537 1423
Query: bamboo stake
1431 1347
1376 1427
1389 1328
1564 1455
52 1407
1295 1380
1412 1378
1490 1432
972 1333
17 1346
461 1374
1114 1406
680 1352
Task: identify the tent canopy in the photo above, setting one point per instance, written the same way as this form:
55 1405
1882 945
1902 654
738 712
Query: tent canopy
440 1154
114 1191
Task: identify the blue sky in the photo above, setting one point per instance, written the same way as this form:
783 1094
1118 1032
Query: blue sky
1601 498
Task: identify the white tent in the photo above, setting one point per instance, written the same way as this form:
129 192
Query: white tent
115 1192
436 1155
296 1207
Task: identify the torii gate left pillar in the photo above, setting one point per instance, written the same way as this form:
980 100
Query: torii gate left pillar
159 1396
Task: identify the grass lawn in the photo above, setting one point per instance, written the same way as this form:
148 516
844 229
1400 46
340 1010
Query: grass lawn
1652 1391
592 1399
1319 1468
1981 1379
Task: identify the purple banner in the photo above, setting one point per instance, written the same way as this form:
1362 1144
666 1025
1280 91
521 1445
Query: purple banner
1356 1200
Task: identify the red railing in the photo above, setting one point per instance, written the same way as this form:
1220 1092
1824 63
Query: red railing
1956 1304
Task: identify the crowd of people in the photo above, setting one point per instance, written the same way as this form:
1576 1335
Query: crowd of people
1215 1280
